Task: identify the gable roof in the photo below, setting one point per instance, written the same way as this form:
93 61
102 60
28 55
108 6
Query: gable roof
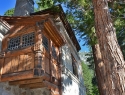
57 10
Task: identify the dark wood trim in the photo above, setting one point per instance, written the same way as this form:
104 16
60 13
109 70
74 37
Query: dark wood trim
32 85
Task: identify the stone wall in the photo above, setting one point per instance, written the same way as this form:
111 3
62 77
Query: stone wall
6 89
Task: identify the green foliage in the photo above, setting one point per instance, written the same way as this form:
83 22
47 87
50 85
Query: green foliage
95 90
44 4
91 66
87 74
90 60
90 81
81 19
9 12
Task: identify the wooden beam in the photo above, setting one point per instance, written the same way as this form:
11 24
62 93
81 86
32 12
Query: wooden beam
18 52
54 92
32 85
25 20
26 81
51 86
17 76
29 81
47 84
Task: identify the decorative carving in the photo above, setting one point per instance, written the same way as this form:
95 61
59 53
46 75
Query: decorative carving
2 54
38 50
38 72
37 47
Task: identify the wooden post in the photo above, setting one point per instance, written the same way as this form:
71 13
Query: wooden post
38 50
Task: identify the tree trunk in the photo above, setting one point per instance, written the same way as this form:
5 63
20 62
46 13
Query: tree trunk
99 68
112 57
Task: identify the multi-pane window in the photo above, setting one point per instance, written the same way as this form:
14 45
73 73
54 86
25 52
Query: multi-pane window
14 43
28 39
21 41
45 42
54 52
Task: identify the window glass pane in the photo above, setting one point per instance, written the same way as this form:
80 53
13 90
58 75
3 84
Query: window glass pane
14 43
54 52
28 39
45 42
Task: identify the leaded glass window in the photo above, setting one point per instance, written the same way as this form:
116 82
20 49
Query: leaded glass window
28 39
54 52
14 43
45 42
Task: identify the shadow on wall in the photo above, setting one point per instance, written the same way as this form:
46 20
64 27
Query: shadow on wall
71 84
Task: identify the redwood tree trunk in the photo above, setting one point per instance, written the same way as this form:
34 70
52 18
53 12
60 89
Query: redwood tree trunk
99 68
113 78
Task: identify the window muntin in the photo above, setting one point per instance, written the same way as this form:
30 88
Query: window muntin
54 54
28 39
14 43
21 41
45 42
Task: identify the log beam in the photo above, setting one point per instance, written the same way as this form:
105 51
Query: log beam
33 85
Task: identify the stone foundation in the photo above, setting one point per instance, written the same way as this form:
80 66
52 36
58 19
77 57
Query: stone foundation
6 89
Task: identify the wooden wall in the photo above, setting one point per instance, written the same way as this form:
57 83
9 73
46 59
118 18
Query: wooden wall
18 63
24 59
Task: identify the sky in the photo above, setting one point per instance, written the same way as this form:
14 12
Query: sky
8 4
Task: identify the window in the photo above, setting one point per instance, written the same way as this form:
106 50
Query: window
14 43
24 41
75 70
54 52
45 42
27 39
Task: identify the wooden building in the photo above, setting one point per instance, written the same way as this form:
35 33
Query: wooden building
33 52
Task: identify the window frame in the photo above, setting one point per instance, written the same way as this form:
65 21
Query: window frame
54 52
74 66
8 46
47 48
21 38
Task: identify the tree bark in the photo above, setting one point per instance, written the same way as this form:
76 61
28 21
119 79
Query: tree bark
112 56
99 68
